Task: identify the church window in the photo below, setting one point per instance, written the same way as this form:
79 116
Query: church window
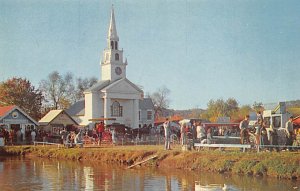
116 45
116 56
139 115
112 44
116 109
107 56
149 115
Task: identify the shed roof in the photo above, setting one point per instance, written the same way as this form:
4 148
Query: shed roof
51 115
5 109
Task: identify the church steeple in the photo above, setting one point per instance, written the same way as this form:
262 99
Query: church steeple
112 65
112 30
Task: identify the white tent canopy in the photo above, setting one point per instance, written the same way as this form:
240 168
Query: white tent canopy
185 122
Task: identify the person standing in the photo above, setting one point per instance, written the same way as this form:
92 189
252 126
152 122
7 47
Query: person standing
167 129
244 130
273 141
209 135
19 136
183 134
259 122
68 142
289 129
201 134
78 139
100 130
194 132
113 135
33 135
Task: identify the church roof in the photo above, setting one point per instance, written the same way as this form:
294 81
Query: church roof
120 80
77 108
98 86
146 103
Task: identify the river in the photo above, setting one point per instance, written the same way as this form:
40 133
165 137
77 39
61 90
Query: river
19 173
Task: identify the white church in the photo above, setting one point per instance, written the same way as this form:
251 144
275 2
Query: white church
114 96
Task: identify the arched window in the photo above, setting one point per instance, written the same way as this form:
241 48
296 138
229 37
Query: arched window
112 44
116 45
116 109
116 56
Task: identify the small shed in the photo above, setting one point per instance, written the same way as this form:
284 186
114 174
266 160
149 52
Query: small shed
56 120
14 118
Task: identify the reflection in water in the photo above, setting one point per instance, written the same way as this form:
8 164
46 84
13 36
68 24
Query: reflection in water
41 174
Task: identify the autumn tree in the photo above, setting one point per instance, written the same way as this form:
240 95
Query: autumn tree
58 90
242 112
161 101
20 92
220 108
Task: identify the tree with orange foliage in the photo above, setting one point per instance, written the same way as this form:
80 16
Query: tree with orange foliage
20 92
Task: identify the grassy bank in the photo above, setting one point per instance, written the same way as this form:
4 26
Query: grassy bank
281 165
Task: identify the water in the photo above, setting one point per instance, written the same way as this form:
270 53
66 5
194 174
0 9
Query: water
42 174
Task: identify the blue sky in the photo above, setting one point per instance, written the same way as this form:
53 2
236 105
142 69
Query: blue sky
199 49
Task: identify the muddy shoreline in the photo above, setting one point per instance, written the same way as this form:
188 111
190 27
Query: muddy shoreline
279 165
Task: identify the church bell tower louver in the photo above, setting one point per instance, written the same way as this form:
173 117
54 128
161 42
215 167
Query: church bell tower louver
112 65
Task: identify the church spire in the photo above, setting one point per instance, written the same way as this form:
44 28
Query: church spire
112 31
112 65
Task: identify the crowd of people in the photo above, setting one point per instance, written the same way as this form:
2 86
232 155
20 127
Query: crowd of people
194 131
189 133
71 138
17 137
266 135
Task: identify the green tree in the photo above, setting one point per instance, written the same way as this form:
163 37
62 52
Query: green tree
20 92
220 108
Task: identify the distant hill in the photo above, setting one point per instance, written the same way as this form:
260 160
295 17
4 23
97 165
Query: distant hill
295 103
188 113
295 111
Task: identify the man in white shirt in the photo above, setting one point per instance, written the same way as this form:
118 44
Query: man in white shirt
167 128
